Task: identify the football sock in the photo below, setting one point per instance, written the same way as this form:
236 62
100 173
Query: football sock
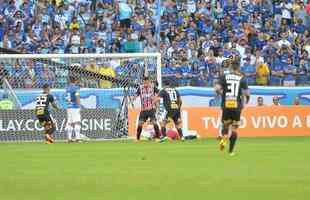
232 141
156 128
69 132
139 131
52 130
180 132
163 131
77 130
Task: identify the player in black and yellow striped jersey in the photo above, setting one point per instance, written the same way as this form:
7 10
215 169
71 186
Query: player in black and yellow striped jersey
234 89
172 104
42 111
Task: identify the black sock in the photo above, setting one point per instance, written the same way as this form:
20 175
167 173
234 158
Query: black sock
163 131
232 140
139 131
156 128
180 132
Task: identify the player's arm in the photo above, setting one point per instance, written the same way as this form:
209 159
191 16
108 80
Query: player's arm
51 99
135 95
218 86
158 96
78 98
245 90
179 99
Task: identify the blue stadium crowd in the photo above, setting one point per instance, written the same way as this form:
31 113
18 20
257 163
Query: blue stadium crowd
272 37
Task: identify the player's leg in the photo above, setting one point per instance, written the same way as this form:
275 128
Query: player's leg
163 125
225 132
178 123
226 121
70 125
46 124
233 139
233 131
221 130
152 116
142 120
77 123
50 129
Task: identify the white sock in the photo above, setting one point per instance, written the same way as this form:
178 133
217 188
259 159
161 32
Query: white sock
69 132
77 130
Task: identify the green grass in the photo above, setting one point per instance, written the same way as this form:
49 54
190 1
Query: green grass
265 168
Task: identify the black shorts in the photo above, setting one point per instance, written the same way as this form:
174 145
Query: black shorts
45 119
174 114
231 116
147 114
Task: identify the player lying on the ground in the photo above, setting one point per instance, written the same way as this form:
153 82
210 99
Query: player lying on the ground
43 114
233 89
73 110
172 103
147 93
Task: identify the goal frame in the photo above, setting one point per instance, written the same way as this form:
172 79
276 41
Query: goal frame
124 102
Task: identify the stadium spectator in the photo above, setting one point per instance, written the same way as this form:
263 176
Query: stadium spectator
262 74
125 12
303 72
275 101
268 32
3 74
260 101
277 73
249 70
308 12
289 73
6 103
92 67
296 101
106 70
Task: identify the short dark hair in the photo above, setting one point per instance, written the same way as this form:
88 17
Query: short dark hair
45 86
146 78
235 65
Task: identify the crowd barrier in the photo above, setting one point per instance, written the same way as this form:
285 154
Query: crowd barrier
204 97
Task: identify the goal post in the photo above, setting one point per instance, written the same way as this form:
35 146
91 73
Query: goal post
106 81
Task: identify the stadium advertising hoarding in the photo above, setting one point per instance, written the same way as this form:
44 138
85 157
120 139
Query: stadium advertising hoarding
23 125
255 121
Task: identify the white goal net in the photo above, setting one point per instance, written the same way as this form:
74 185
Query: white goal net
106 81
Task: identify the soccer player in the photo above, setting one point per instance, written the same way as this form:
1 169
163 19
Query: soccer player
172 103
226 66
43 114
233 89
73 110
147 93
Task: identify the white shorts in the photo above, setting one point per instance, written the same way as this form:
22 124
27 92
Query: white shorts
73 115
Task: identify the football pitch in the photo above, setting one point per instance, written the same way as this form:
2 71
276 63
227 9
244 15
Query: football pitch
264 168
